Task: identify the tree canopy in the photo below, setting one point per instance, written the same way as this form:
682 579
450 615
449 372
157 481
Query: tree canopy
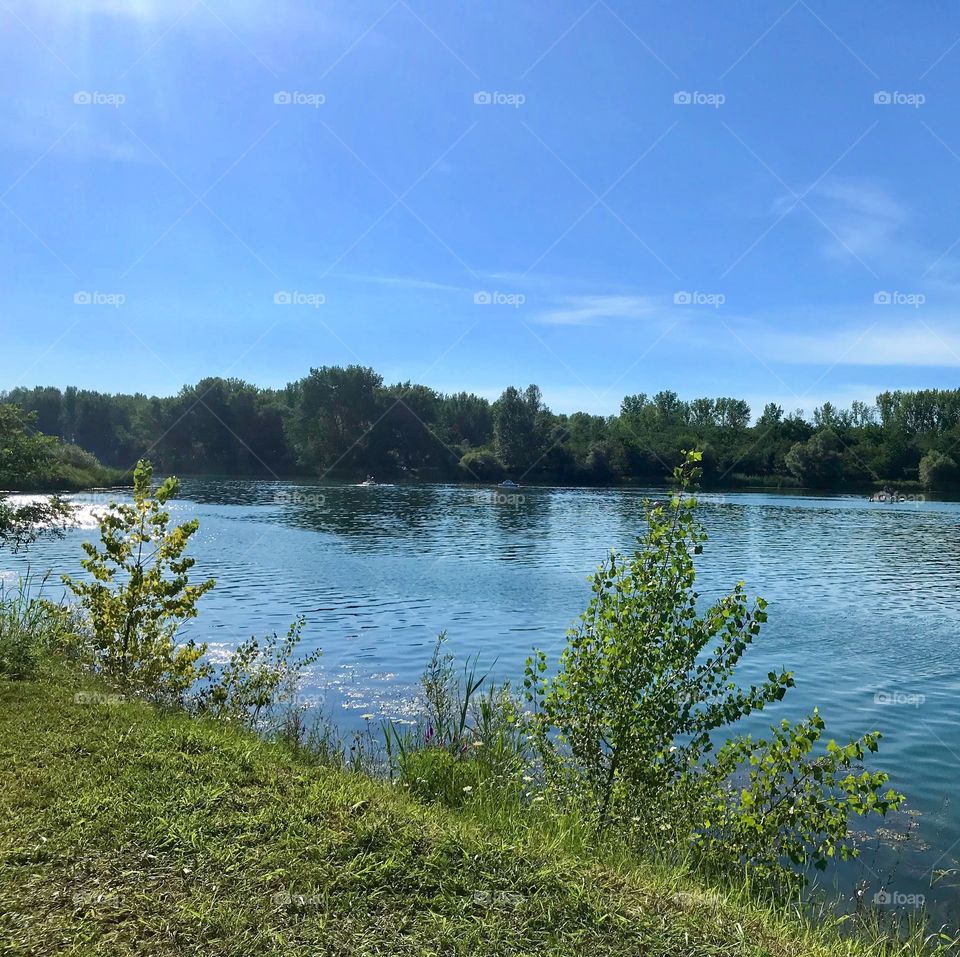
348 420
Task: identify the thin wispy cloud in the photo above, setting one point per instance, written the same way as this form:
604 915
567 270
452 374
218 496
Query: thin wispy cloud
865 218
588 310
405 282
911 344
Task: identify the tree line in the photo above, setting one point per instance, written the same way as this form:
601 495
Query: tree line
346 421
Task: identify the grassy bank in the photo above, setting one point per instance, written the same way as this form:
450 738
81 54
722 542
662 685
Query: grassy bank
125 829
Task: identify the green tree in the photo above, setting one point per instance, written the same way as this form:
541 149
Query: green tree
632 683
937 470
817 462
140 594
408 433
26 462
334 412
520 422
481 465
625 728
466 420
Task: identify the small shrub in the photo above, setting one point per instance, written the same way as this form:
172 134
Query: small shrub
141 595
626 728
259 680
470 741
76 457
30 627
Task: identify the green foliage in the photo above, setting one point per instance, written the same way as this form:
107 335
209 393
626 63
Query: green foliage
25 455
22 524
937 470
470 741
31 461
520 422
334 411
481 464
349 421
27 461
796 803
817 462
31 627
140 594
258 679
626 728
75 457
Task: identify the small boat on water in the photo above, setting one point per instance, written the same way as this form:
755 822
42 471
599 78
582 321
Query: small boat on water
369 481
508 483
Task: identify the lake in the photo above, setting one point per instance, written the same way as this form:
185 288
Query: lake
864 609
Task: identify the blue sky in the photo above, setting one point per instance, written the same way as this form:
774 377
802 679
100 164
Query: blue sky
738 198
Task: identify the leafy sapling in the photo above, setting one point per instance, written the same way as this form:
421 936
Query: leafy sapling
141 594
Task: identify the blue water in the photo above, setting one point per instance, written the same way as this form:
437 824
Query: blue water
864 609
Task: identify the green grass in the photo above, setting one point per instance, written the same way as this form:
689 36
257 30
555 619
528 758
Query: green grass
125 829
